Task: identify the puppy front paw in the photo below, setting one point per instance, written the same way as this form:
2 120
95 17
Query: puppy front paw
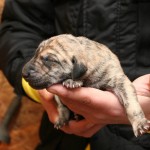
72 84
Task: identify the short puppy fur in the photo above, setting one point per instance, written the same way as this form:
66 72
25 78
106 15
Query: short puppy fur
79 61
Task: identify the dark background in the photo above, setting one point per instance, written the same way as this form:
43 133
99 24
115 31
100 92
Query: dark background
25 125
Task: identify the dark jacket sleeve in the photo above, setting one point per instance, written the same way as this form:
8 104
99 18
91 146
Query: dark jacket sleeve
25 24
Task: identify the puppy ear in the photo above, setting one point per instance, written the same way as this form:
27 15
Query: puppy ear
79 69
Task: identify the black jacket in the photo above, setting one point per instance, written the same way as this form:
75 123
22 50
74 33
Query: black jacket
123 25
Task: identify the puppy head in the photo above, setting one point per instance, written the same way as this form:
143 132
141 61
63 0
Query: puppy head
55 60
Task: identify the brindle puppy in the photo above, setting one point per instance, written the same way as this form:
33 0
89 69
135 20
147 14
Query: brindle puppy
78 61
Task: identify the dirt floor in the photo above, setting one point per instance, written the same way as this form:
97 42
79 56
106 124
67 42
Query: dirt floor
25 125
1 7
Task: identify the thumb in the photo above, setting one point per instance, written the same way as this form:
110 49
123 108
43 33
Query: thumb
58 90
84 96
49 104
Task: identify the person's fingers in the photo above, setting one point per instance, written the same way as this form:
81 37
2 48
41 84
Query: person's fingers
82 96
88 100
73 94
90 132
46 96
49 104
81 128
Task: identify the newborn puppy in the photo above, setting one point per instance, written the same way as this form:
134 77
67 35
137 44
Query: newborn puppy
78 61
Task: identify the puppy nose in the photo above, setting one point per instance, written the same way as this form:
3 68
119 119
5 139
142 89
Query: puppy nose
28 71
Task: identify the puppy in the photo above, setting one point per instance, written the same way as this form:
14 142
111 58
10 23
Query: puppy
78 61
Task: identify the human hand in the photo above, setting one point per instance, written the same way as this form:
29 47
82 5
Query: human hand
104 106
142 86
102 111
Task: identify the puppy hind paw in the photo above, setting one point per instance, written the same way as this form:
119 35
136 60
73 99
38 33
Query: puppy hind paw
62 120
72 84
59 124
141 127
63 117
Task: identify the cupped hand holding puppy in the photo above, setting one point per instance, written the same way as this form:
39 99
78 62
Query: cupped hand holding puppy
99 108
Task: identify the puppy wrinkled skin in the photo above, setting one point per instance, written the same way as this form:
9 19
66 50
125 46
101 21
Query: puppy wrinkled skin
78 61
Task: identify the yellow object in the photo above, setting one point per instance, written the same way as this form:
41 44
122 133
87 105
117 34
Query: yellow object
32 93
88 147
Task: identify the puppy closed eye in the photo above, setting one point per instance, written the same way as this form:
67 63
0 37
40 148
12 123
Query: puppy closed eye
45 58
49 61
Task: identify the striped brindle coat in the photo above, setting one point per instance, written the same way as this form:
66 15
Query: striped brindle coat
78 61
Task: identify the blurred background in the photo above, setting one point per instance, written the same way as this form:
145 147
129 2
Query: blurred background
24 126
